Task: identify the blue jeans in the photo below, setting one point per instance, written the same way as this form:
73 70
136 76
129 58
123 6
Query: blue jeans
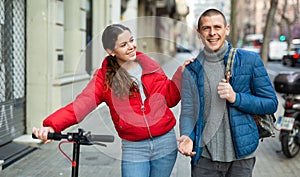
149 158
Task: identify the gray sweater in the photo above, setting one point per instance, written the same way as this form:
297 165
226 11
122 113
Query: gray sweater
217 139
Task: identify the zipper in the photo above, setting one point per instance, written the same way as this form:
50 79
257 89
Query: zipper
145 119
143 108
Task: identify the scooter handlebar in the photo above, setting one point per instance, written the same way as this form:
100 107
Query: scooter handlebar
101 138
52 136
93 138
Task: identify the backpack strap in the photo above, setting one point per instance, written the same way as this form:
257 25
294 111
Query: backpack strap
229 66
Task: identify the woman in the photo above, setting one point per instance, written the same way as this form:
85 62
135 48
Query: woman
139 96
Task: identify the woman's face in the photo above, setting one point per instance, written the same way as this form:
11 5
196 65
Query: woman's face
125 48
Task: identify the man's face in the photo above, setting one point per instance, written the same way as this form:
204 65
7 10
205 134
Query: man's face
213 32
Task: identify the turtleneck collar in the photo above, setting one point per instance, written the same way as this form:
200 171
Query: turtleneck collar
211 56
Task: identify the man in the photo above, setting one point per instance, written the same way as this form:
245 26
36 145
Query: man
216 122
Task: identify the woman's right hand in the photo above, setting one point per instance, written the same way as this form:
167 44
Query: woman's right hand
42 133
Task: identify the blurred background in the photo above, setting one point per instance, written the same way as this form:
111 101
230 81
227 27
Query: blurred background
51 48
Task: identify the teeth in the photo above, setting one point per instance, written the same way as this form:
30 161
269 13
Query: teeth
213 40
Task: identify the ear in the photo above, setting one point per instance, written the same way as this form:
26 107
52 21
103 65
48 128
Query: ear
198 32
110 52
227 28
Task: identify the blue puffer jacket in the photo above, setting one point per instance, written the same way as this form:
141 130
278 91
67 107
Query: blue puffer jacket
254 95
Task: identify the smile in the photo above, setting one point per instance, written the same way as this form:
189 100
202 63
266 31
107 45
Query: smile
131 54
212 40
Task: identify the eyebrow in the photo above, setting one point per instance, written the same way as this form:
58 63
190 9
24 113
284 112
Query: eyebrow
124 42
216 25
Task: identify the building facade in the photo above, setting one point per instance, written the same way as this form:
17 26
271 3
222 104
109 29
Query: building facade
49 49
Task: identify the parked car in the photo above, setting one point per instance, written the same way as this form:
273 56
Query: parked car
277 49
253 42
292 57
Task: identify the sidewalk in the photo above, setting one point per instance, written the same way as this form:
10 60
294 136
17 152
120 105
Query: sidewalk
47 161
100 161
95 160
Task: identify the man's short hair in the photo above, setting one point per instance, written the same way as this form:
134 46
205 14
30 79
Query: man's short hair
210 12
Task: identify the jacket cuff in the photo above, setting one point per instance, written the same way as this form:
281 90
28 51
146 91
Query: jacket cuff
237 99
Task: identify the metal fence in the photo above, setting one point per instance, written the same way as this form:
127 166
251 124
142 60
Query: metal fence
12 69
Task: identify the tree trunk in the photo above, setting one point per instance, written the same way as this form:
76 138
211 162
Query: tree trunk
268 30
289 22
233 23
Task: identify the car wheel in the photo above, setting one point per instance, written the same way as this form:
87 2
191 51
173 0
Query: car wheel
283 61
293 64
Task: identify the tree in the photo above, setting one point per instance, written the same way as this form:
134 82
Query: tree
233 23
288 21
268 30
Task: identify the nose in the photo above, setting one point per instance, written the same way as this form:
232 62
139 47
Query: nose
130 45
212 31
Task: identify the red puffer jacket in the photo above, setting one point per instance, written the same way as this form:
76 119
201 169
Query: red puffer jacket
133 119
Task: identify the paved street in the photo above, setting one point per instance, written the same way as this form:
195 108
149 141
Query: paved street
97 161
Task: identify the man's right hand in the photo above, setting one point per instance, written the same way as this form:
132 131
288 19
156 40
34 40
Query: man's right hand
185 146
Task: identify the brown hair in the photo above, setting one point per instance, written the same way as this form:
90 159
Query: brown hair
116 77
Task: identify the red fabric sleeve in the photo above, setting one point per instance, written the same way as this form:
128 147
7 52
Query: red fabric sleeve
174 87
85 102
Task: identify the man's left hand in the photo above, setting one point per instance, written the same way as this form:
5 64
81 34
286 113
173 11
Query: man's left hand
225 91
